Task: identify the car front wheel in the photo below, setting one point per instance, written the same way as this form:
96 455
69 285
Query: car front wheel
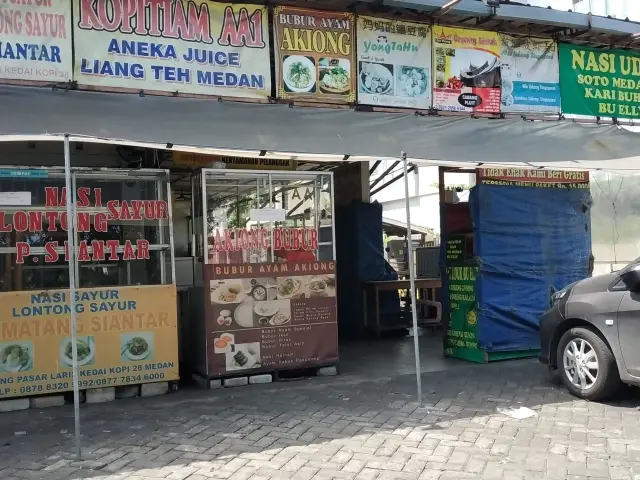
586 364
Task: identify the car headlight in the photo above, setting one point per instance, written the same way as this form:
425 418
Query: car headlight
555 298
558 297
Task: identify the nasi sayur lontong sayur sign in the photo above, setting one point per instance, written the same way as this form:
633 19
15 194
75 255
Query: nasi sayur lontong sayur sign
394 63
184 46
314 55
126 336
36 41
52 221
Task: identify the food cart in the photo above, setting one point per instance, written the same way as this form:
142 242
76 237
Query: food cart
265 299
125 303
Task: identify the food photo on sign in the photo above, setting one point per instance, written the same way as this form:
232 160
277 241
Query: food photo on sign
315 55
467 70
394 63
270 315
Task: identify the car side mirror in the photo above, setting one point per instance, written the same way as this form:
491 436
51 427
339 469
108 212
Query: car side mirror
632 279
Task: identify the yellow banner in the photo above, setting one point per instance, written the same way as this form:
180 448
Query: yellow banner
196 160
126 336
467 39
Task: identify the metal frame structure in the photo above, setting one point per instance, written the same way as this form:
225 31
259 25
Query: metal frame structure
270 175
70 177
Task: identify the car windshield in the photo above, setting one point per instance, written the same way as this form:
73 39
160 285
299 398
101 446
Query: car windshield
630 265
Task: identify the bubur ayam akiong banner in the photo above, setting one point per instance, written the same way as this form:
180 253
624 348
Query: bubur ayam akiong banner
35 41
467 70
126 336
314 55
270 316
185 46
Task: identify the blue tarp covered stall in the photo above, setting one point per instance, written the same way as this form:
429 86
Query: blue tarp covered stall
528 243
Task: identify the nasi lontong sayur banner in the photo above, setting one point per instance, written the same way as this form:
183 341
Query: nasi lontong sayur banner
315 55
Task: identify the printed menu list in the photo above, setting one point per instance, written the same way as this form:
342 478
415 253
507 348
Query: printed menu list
269 316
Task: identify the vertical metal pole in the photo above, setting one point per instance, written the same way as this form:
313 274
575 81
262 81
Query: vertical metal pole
163 257
272 225
71 238
172 254
205 218
412 281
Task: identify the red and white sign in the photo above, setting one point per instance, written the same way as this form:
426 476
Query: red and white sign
256 239
51 219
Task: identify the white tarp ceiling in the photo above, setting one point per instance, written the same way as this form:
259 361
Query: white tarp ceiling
211 126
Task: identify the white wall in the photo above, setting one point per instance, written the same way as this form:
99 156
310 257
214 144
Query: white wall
424 201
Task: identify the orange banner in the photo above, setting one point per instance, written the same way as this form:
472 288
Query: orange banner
125 336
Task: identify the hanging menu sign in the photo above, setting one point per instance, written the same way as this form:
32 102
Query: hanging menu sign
314 55
394 63
193 47
467 70
270 316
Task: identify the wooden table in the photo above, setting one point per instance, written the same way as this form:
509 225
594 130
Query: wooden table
395 285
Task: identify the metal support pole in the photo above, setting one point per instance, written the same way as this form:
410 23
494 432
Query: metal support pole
71 238
412 280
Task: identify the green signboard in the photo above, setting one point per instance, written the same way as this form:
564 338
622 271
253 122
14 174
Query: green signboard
463 315
456 249
598 82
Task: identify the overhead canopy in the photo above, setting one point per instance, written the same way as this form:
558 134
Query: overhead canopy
180 123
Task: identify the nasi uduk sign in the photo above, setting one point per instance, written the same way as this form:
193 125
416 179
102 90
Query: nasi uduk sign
193 47
36 41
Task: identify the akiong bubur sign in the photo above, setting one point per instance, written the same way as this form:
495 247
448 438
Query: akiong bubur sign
596 82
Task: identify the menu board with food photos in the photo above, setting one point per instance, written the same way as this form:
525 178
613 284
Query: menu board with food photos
394 63
265 317
314 55
467 70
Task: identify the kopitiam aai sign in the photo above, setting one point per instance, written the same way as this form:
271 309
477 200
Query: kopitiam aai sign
52 219
192 46
603 83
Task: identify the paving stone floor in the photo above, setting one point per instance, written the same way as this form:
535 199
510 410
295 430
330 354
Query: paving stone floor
346 427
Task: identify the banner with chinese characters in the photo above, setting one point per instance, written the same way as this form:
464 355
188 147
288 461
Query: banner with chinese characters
530 75
126 336
183 46
36 41
601 83
467 70
538 178
394 63
265 317
314 55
